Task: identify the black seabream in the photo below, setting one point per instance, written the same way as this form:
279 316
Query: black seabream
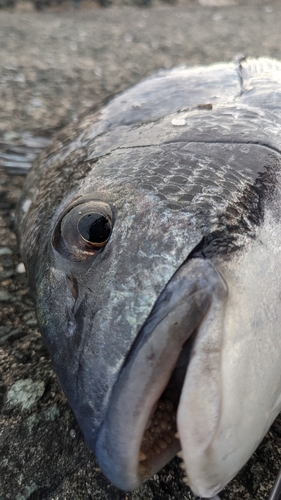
151 233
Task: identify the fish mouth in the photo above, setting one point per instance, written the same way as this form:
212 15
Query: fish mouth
139 434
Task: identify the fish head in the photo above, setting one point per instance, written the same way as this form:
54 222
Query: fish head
93 298
154 258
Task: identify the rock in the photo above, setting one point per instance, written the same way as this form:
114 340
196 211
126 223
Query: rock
25 393
20 268
4 296
5 251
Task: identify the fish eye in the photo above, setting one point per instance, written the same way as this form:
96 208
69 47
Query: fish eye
94 228
83 230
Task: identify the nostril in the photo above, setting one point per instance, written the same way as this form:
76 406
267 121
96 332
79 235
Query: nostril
73 286
73 291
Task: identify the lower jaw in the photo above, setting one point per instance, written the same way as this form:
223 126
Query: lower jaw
139 435
155 441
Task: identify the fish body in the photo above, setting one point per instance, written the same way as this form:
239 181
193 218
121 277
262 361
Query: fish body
151 234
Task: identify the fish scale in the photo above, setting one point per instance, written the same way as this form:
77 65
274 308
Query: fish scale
169 297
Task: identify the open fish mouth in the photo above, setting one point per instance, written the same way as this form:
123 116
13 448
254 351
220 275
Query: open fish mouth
145 423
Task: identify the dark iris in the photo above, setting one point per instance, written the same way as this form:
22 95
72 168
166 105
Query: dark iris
94 228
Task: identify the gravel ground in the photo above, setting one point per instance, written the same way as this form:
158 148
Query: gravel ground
55 65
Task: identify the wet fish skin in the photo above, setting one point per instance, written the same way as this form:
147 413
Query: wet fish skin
187 183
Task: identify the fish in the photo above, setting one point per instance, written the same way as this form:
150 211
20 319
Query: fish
151 235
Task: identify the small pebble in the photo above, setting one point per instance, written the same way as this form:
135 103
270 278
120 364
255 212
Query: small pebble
5 251
4 296
20 268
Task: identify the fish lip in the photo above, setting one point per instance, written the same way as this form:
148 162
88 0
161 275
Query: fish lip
142 379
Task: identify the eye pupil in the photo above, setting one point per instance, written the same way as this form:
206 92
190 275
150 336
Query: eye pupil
94 228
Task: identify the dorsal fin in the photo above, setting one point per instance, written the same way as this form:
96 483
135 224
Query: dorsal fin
261 84
265 68
19 150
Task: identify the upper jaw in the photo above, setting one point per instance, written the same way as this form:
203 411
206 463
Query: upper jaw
125 446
